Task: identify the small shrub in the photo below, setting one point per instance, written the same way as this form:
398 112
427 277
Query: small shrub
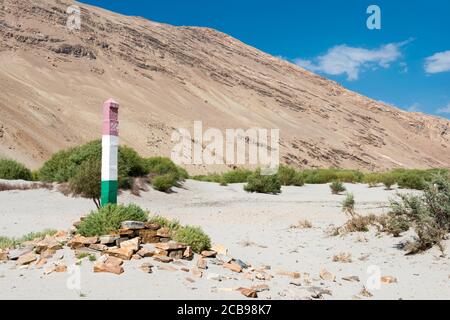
109 218
395 225
343 257
87 181
194 237
428 214
164 183
213 177
164 222
13 170
372 179
236 176
337 187
263 184
182 173
160 166
303 224
359 223
348 205
290 177
388 180
6 243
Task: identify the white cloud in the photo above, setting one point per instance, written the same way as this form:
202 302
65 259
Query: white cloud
439 62
343 59
445 109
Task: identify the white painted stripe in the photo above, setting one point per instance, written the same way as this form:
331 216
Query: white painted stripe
110 151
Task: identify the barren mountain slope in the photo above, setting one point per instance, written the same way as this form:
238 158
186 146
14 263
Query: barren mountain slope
53 82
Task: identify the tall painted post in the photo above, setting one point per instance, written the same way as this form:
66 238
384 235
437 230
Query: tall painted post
110 151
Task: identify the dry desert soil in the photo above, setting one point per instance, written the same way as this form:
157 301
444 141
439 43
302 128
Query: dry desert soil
255 228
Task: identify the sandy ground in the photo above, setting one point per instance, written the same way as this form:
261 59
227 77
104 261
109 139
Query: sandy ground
255 228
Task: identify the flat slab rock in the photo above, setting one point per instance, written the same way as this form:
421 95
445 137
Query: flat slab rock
16 253
133 225
169 246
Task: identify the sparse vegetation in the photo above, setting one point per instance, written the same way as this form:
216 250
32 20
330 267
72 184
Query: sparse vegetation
13 170
358 223
193 237
164 222
343 257
263 184
388 180
164 183
337 187
6 242
91 257
65 164
372 179
290 177
302 224
348 205
87 181
428 214
109 218
73 165
322 176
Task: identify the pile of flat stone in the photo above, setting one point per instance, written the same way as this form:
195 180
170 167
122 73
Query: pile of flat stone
38 252
130 242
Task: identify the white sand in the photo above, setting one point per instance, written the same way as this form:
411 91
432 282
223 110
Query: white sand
254 227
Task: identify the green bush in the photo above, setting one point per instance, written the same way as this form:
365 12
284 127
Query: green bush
290 177
348 205
429 213
109 218
193 237
87 181
322 176
212 177
164 222
13 170
396 224
388 179
372 179
263 184
164 183
160 166
233 176
236 176
65 164
337 187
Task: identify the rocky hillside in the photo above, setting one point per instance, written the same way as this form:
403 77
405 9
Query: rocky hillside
53 82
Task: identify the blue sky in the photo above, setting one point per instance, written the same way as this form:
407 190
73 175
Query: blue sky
406 63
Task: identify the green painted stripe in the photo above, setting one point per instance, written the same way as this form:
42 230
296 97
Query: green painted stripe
109 192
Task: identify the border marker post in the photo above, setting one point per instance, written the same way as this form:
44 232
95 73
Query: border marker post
110 151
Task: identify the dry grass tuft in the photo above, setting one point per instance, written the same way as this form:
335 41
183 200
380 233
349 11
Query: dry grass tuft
302 224
343 257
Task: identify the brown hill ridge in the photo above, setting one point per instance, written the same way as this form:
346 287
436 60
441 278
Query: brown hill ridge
53 82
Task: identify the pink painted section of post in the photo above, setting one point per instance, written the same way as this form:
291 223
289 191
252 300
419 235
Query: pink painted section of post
110 118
